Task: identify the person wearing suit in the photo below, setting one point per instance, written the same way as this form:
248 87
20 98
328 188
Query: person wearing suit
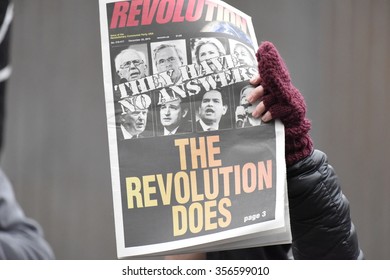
168 57
174 117
244 111
130 65
211 110
133 116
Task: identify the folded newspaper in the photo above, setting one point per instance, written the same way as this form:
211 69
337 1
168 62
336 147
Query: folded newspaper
191 169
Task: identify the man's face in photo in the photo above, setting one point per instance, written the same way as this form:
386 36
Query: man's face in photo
132 67
135 121
212 108
172 113
168 59
244 56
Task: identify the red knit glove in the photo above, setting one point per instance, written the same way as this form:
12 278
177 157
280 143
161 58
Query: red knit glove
284 102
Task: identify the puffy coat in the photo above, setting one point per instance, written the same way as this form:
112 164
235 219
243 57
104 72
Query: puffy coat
319 214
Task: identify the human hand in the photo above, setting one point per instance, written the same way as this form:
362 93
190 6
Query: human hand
255 97
281 100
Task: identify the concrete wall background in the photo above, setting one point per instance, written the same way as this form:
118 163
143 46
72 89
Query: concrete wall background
56 149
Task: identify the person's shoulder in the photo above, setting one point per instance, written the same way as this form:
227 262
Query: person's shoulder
146 134
225 123
119 134
199 126
184 127
160 131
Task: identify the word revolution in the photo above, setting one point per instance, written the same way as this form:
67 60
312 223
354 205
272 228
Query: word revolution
147 12
194 208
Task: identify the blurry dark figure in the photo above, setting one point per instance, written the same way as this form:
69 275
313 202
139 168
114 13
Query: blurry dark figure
20 237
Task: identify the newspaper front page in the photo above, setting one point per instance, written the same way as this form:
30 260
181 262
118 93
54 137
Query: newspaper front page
191 169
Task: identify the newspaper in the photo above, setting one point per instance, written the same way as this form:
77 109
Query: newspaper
191 169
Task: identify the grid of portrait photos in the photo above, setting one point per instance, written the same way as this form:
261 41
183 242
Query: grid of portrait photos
193 102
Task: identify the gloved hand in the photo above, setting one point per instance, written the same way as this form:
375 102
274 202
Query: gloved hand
281 100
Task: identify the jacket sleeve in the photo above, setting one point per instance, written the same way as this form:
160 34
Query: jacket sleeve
320 216
20 237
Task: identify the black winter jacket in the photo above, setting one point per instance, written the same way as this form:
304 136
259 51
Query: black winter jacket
319 214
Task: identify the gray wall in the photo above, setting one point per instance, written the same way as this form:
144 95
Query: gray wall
56 151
